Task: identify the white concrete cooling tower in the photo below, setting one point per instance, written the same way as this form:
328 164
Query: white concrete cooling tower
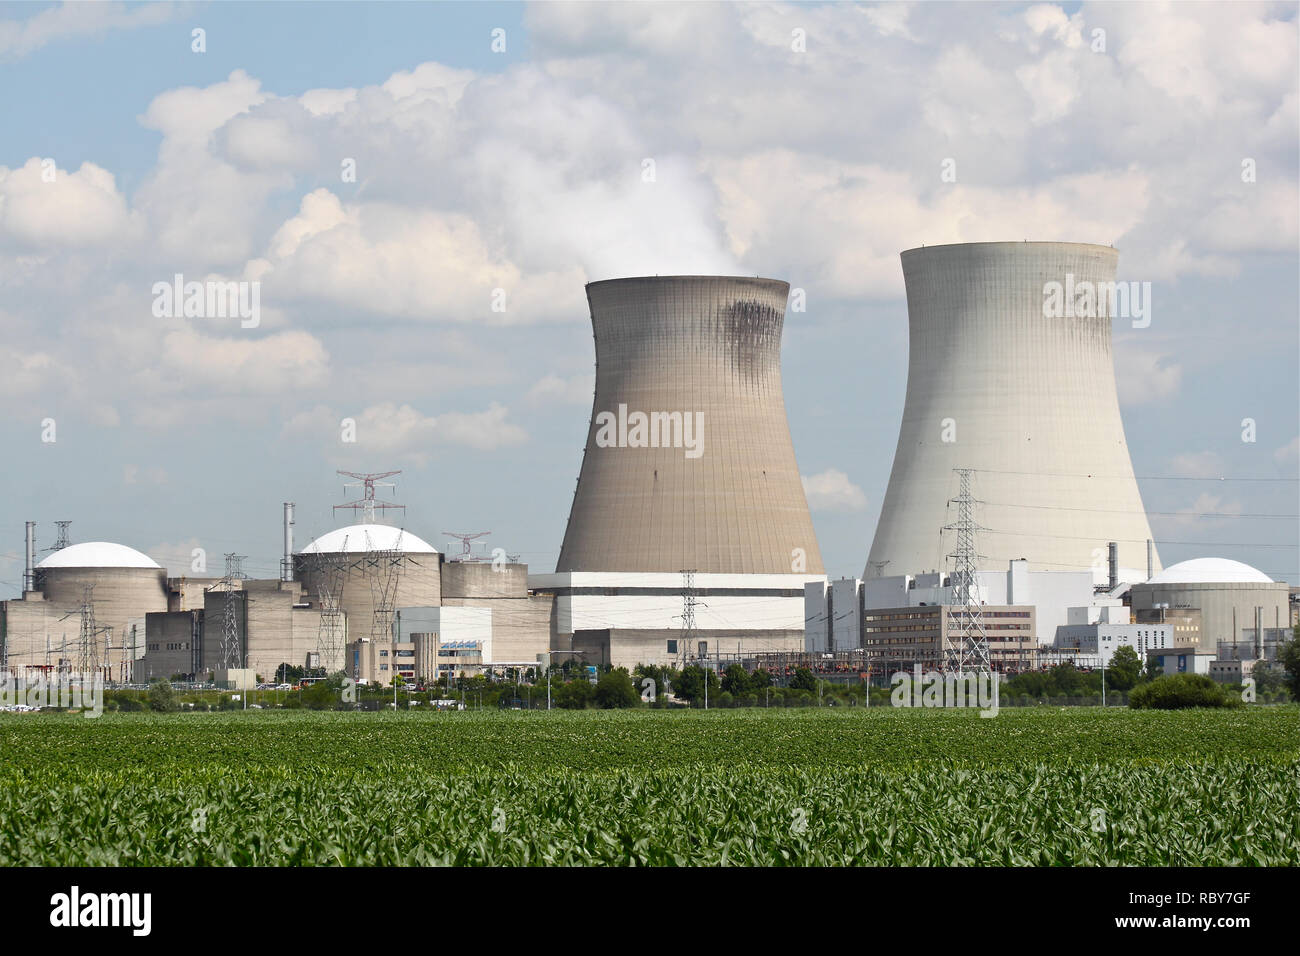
1006 377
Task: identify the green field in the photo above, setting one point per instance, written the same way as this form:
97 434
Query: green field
1035 786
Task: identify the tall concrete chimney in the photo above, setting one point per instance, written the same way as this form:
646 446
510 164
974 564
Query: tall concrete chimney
286 563
1112 562
29 571
1151 571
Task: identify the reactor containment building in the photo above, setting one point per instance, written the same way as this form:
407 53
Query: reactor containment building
690 533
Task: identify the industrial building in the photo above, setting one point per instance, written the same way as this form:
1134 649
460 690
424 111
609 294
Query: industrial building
1023 398
369 599
1230 596
689 531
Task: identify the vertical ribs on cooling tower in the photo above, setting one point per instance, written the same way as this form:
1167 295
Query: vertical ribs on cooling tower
709 347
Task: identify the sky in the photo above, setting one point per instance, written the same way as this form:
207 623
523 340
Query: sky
381 169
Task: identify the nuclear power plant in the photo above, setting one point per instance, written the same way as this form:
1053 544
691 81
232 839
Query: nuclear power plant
689 531
999 383
1012 531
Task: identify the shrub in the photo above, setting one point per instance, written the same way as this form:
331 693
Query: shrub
615 691
1177 691
161 698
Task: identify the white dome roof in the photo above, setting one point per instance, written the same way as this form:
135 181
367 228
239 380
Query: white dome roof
98 554
368 537
1210 571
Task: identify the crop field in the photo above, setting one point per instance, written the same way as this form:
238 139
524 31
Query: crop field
1036 786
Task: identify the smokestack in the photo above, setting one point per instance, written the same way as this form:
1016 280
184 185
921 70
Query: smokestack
1259 633
29 573
1151 571
1113 563
286 563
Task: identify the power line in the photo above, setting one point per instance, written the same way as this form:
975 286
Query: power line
1066 474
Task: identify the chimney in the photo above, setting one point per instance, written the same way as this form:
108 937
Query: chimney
286 563
1151 561
1113 563
29 573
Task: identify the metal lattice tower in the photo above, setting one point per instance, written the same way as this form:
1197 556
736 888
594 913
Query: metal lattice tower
367 504
231 657
332 573
62 541
690 601
383 567
88 639
970 651
466 549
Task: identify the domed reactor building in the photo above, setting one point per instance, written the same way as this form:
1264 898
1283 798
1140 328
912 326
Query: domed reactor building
1011 375
690 534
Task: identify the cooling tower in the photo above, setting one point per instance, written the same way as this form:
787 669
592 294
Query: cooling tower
689 462
1026 399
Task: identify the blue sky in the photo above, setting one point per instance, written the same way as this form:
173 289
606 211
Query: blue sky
522 169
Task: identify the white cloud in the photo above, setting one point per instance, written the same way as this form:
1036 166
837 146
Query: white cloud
831 490
401 431
552 389
283 362
1289 454
1144 375
18 38
69 208
1197 464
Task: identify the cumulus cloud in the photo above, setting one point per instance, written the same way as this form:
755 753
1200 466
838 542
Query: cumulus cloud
831 490
553 389
1144 375
401 431
41 204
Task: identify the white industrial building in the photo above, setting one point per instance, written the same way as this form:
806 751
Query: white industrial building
833 609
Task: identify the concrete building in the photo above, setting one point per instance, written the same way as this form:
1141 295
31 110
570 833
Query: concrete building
1180 660
44 626
898 637
1099 640
372 569
1052 594
688 466
1000 383
1229 595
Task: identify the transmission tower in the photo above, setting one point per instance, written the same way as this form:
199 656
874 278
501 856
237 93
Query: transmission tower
88 640
231 658
332 573
690 601
367 504
970 649
383 567
466 549
61 541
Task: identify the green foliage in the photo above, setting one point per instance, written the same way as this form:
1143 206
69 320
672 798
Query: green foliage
573 695
691 682
735 681
1179 691
615 691
1288 655
803 680
1125 668
879 786
161 698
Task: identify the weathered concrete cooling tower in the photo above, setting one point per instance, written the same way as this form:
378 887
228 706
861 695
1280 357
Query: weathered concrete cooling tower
688 467
1026 398
689 462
